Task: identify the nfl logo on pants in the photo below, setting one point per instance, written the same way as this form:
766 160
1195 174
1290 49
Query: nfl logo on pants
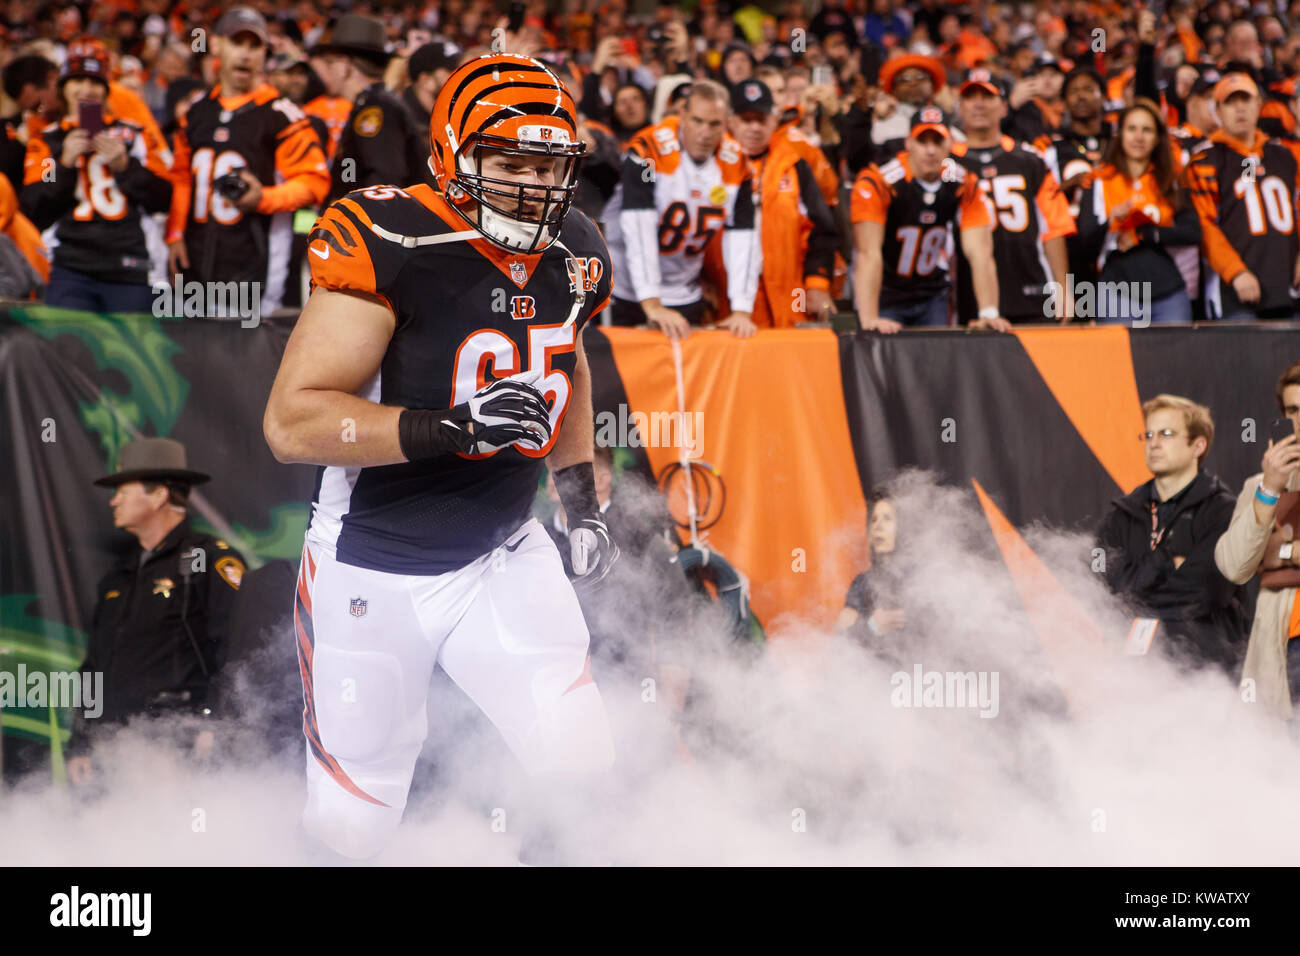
358 607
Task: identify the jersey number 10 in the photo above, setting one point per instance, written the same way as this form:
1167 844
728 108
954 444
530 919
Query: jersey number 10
1268 195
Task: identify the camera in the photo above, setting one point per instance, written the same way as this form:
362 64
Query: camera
231 186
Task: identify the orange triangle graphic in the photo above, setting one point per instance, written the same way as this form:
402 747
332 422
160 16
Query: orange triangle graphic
1066 633
1090 373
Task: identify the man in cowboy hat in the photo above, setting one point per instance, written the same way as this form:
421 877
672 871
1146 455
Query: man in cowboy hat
381 144
161 614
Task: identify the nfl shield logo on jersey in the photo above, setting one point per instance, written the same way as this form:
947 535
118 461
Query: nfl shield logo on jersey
358 607
518 274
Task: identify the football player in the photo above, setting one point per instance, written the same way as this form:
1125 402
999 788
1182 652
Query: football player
683 181
1244 187
436 367
1033 217
903 214
95 188
228 221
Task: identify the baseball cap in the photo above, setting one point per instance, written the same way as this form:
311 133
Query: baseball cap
86 57
930 119
751 96
433 56
1234 83
1044 62
981 78
242 20
1205 82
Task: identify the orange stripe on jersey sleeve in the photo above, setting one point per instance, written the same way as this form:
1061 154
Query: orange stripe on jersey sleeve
1223 258
38 151
974 211
155 152
182 186
1055 209
869 201
301 161
340 258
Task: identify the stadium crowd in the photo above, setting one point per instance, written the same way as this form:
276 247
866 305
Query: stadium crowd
928 163
887 165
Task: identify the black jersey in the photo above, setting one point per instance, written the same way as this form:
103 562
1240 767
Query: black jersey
273 139
1246 195
381 145
467 312
96 213
918 219
1030 209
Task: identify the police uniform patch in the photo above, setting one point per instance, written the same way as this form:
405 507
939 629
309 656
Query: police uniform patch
718 195
231 570
369 122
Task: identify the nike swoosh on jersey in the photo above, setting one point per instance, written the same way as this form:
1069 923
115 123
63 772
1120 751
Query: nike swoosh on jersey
515 546
323 255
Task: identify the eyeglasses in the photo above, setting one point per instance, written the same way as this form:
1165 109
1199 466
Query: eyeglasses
1165 433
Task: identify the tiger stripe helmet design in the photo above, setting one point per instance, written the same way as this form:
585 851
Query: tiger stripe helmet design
87 57
515 105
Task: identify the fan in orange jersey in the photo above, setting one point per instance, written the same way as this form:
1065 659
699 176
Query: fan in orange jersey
1133 212
903 215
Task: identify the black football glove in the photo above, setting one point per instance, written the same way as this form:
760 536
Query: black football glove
592 551
509 411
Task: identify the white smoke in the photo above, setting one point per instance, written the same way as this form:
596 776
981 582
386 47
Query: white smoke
798 755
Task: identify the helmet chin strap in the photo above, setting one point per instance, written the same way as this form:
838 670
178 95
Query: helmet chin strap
508 230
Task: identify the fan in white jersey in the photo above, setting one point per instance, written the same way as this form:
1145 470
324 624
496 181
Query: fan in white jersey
683 181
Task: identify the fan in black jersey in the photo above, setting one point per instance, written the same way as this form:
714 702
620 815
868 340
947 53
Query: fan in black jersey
246 158
436 368
1032 216
903 215
90 179
1244 186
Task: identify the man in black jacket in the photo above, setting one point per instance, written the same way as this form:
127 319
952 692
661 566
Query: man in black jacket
382 143
1159 541
161 614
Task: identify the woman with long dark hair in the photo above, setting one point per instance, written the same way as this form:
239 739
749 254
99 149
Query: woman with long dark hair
873 612
1134 208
